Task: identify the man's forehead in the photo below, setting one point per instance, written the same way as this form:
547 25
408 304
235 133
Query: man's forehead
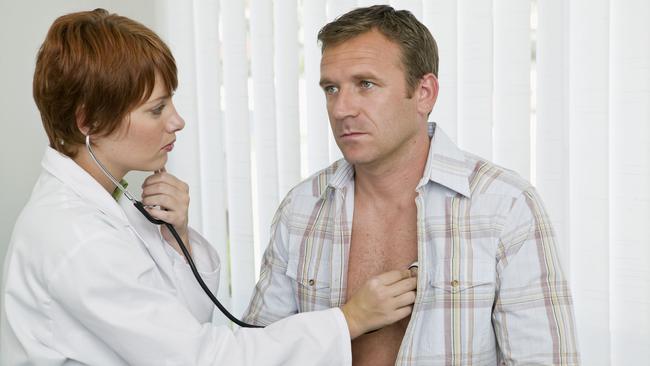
370 48
352 55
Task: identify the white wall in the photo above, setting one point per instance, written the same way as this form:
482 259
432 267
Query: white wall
23 26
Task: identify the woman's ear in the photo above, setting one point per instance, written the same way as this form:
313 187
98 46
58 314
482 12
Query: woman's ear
80 119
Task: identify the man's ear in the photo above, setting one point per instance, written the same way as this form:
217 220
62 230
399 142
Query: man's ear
427 93
80 119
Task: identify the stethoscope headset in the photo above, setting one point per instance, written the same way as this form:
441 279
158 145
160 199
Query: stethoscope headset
171 229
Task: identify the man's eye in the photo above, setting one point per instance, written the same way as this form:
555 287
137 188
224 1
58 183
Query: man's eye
365 84
330 89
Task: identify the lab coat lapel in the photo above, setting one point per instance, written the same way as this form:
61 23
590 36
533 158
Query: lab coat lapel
150 236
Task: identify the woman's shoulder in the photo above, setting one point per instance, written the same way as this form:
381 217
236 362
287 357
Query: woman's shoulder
55 222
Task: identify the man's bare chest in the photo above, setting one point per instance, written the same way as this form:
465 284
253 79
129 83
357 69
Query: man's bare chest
380 242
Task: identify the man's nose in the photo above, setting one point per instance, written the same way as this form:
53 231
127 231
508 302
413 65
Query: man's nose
344 104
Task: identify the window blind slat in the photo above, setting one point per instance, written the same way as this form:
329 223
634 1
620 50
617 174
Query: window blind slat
552 114
365 3
440 16
210 124
317 122
238 153
512 85
475 74
630 178
286 98
266 181
589 175
336 8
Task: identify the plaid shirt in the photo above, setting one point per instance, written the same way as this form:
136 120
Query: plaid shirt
490 287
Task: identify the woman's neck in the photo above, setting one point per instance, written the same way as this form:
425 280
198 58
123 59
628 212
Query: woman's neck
86 162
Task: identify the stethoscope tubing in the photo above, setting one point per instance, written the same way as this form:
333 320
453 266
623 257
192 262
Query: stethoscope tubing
138 205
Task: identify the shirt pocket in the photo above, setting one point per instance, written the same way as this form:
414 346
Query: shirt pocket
312 287
471 278
461 299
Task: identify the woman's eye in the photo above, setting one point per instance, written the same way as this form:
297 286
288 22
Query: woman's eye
158 110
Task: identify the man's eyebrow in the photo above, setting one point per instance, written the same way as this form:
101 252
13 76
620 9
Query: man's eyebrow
324 82
359 76
365 75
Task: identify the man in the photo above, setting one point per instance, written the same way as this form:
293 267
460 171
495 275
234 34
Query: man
490 287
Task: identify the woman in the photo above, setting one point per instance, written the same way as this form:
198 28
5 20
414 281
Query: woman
88 280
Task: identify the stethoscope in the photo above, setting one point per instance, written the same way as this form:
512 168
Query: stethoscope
155 221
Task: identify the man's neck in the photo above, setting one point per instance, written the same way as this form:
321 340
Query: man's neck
395 178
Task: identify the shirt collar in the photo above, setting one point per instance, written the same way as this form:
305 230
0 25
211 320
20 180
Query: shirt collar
445 165
343 175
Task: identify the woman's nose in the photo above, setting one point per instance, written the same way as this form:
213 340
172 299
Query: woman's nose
176 122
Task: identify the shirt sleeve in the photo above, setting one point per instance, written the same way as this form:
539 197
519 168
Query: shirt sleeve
533 313
113 289
273 298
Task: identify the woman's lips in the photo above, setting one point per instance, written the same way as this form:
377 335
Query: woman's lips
168 147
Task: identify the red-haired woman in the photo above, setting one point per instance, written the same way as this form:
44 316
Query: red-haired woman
88 279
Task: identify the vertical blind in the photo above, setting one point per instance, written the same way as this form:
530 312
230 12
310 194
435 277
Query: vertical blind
556 90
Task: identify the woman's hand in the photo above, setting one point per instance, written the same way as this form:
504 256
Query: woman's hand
381 301
172 196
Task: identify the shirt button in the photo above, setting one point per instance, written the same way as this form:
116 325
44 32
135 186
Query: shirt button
454 283
311 282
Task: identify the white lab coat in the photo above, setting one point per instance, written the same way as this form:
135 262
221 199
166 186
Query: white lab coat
90 281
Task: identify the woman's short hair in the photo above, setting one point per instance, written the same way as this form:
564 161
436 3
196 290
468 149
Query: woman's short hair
98 67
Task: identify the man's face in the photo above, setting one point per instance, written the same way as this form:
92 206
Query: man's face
370 113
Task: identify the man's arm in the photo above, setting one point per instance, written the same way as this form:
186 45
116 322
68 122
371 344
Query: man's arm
533 312
273 298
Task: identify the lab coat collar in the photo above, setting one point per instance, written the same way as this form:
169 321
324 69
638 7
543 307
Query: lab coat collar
82 183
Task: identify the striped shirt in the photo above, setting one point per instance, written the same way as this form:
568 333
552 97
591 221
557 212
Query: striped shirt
490 291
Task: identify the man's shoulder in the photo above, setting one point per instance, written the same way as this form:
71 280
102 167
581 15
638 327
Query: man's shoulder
489 178
316 184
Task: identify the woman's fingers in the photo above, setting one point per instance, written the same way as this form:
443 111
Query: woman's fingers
171 195
166 178
382 300
166 216
402 286
401 313
391 277
404 299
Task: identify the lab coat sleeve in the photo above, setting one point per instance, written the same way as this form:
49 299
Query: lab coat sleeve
206 259
273 298
107 283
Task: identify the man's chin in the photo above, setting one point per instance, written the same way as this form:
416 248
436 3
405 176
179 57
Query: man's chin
356 159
